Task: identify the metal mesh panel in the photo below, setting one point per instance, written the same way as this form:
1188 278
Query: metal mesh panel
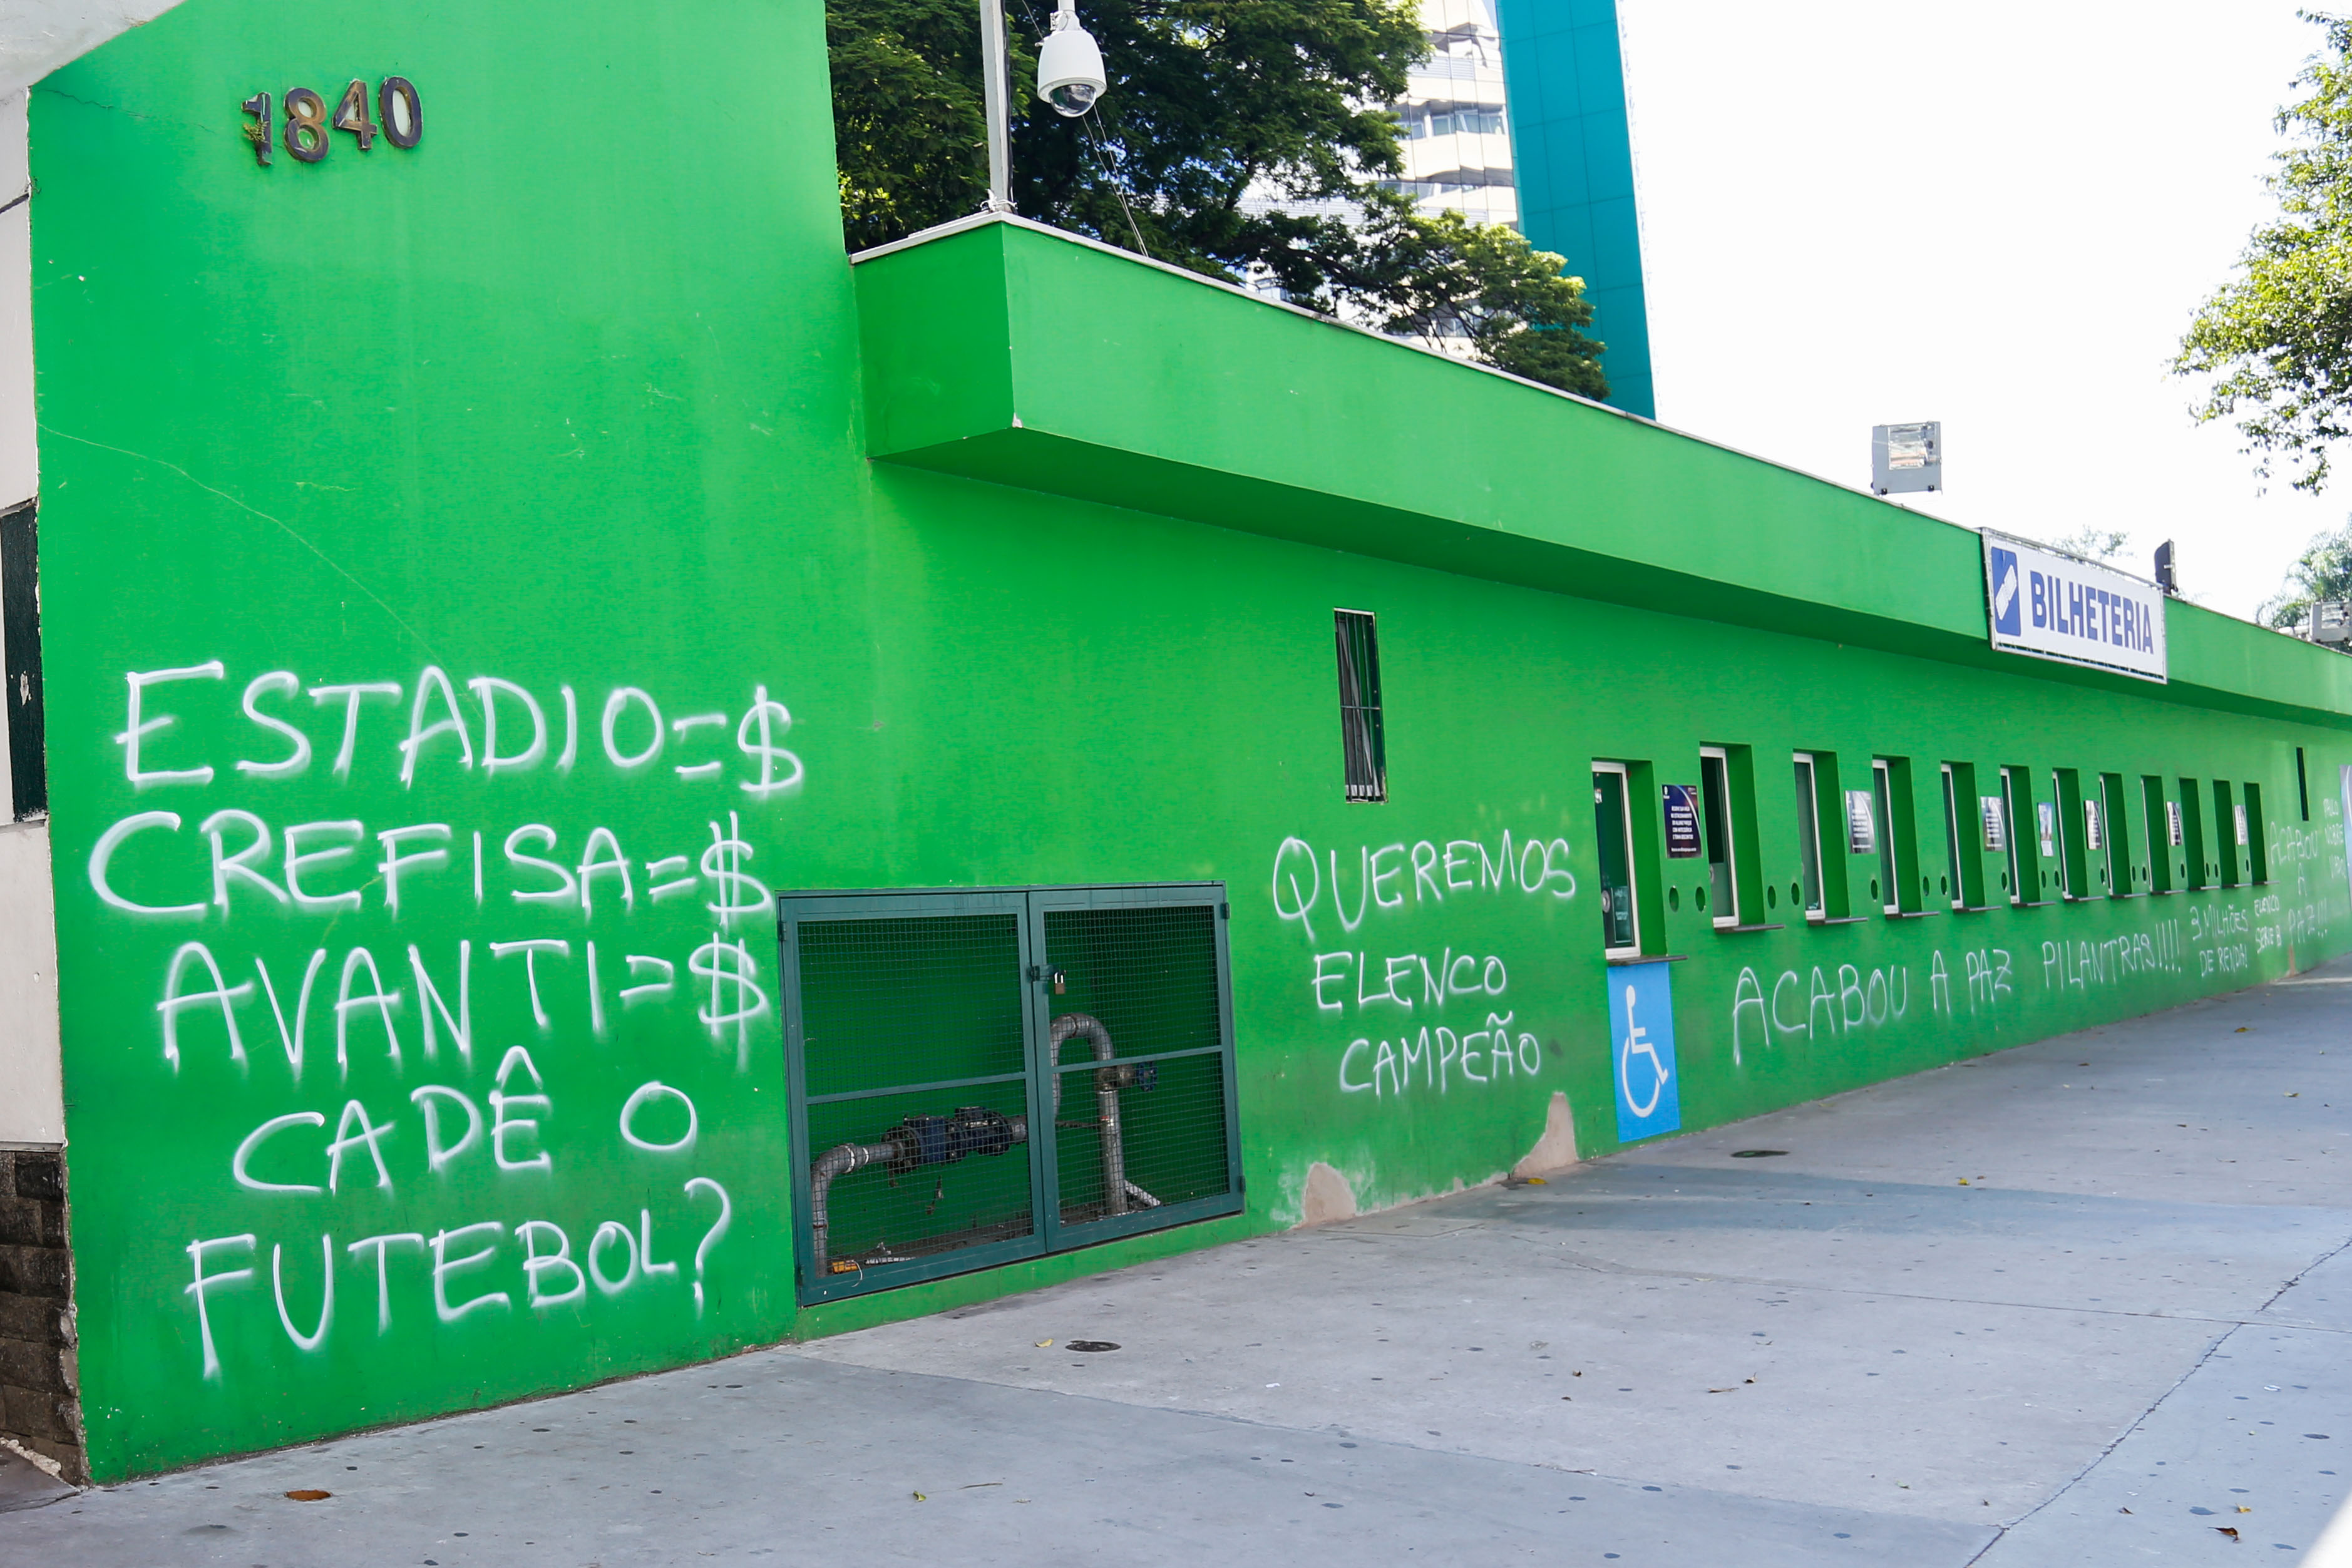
1142 1121
914 1066
926 1050
886 1003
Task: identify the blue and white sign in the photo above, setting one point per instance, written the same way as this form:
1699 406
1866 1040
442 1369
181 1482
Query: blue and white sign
1641 1035
2052 606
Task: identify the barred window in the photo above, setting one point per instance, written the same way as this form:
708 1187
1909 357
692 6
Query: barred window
1361 742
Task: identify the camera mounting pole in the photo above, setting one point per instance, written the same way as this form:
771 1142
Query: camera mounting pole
997 86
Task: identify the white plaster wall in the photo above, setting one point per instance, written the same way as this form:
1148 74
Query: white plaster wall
20 452
32 1089
32 1096
19 466
36 36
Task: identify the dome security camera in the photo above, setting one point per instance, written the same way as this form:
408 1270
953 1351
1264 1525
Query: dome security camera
1070 65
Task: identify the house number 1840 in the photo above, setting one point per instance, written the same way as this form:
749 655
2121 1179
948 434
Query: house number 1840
400 118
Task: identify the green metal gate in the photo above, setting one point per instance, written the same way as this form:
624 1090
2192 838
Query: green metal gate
980 1076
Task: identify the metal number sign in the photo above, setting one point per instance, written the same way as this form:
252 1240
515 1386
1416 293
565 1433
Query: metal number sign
400 120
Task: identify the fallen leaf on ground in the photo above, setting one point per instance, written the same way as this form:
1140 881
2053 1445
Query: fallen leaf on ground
309 1494
2122 1510
921 1497
2228 1530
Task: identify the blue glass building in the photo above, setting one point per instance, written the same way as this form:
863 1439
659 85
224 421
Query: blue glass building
1573 156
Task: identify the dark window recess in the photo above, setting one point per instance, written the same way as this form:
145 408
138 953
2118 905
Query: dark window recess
980 1076
1613 835
1722 875
2301 786
1360 739
20 648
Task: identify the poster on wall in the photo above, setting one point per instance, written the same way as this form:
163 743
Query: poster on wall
1641 1029
1861 823
2046 815
2051 606
1682 821
1996 822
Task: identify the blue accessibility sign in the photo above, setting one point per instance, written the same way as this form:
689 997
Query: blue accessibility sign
1641 1038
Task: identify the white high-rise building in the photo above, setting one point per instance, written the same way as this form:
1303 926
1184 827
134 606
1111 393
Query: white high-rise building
1457 135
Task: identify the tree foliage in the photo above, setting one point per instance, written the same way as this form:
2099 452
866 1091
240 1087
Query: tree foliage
2277 338
1449 282
2092 542
2322 572
1238 139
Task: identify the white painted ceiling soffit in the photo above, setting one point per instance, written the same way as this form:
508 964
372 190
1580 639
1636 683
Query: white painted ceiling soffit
36 36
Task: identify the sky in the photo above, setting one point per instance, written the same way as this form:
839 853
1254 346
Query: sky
1996 214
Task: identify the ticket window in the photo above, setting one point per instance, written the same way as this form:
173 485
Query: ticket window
1612 836
2195 855
1809 834
2070 821
1890 792
1973 825
1722 849
2159 832
2227 832
2250 833
2016 822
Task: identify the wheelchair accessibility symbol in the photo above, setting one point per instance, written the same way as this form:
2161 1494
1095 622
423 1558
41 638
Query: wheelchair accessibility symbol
1641 1027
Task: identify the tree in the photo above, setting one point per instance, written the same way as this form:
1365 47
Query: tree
2322 572
2277 339
1447 281
1240 139
1209 101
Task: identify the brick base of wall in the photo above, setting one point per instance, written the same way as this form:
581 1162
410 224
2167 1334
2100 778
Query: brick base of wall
40 1401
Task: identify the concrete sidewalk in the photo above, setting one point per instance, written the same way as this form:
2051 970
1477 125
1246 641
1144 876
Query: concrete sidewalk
2122 1337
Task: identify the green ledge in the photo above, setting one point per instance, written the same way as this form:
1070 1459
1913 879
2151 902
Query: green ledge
1006 352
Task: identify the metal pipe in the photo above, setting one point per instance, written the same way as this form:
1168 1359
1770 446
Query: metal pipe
839 1162
995 90
1114 1153
843 1158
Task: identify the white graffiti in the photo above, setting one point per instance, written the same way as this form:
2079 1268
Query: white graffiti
457 1264
440 730
317 868
1394 875
197 993
1481 1056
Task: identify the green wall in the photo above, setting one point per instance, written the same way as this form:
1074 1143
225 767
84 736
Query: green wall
568 397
